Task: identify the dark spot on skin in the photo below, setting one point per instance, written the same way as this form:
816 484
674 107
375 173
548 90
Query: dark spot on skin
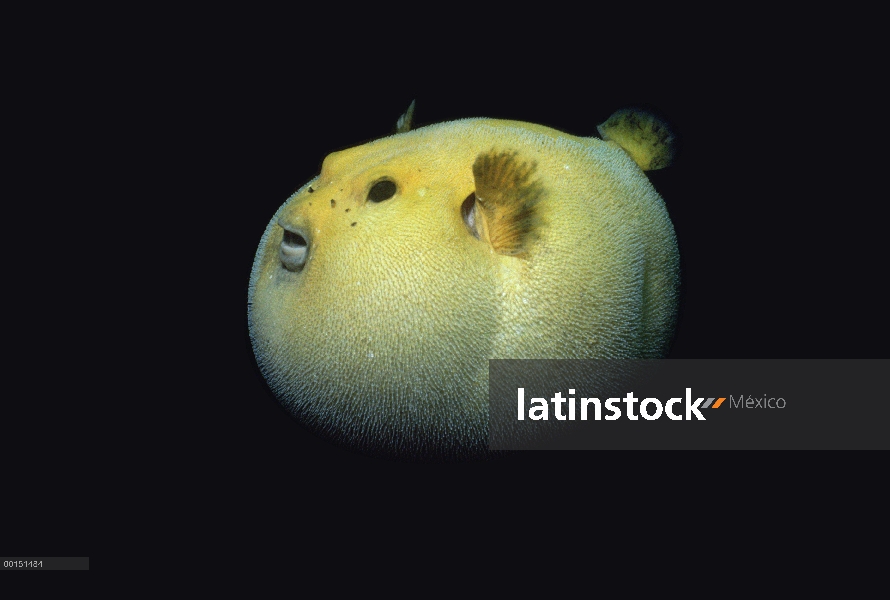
310 189
353 225
333 203
347 210
310 204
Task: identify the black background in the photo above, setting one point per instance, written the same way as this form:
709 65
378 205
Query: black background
183 446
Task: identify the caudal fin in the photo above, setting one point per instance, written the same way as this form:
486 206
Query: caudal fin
646 138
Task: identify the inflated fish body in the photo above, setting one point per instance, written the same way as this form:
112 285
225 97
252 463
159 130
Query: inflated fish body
383 286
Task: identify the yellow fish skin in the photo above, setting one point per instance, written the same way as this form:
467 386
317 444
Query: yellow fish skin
382 287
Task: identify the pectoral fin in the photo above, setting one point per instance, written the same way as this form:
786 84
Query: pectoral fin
507 195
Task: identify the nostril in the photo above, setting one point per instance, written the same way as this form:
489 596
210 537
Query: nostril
293 251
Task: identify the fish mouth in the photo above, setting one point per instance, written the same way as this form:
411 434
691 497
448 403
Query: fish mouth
294 249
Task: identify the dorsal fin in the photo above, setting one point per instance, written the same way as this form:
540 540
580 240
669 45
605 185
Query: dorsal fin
406 120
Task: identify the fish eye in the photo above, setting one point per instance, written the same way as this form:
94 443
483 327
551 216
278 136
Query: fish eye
382 190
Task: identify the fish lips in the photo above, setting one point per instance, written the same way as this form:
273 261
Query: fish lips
294 249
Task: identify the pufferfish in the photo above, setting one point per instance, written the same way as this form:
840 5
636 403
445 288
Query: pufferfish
383 286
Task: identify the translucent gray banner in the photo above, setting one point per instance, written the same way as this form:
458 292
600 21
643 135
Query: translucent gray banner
702 404
76 563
